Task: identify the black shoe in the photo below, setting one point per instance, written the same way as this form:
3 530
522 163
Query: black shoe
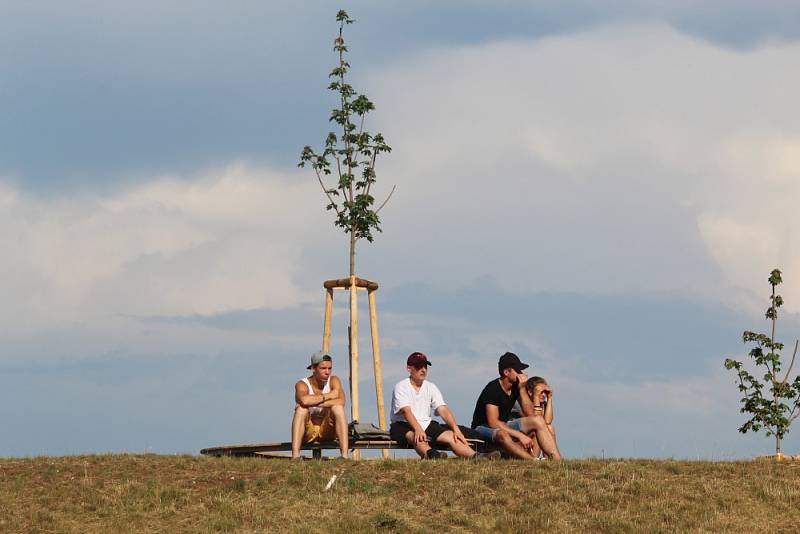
434 454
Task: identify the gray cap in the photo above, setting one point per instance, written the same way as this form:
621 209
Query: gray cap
319 357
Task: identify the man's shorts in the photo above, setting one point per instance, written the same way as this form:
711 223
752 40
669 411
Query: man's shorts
488 433
399 429
320 430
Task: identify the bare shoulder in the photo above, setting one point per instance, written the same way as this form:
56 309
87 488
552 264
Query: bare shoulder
335 381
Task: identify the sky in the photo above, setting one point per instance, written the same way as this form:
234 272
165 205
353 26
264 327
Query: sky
601 187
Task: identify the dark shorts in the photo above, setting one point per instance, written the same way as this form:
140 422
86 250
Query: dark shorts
398 430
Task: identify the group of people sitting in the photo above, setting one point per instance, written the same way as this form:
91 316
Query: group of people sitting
513 411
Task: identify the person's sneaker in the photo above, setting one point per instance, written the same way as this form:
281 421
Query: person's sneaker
493 455
434 454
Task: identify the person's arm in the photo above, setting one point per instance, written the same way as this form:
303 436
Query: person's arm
444 412
548 411
335 397
306 399
419 432
493 420
525 402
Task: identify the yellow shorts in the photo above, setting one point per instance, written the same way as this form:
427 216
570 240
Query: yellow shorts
320 430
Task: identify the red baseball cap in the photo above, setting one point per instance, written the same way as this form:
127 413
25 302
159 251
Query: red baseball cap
417 359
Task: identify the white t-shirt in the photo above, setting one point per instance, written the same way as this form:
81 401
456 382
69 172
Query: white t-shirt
423 403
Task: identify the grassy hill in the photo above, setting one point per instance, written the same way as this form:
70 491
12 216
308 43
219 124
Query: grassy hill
151 493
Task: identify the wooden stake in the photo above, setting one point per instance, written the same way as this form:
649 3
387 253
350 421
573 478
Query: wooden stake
354 356
376 362
326 330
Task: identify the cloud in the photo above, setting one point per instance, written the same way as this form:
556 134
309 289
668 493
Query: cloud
623 159
229 239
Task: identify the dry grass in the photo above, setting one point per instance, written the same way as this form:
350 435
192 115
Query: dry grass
150 493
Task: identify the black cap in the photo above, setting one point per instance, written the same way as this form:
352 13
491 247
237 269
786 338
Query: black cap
509 359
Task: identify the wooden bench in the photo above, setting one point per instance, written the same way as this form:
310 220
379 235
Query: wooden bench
264 449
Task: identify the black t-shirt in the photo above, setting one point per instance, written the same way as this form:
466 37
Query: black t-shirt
493 394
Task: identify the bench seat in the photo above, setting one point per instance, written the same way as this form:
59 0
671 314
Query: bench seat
258 449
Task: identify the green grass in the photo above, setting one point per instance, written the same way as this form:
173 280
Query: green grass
150 493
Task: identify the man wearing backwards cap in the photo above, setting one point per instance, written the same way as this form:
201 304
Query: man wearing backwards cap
493 409
319 412
414 401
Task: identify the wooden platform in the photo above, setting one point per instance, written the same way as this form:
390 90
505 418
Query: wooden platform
264 449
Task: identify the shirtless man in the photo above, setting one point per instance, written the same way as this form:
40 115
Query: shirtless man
319 410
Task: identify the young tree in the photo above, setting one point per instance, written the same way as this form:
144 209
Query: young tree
774 414
352 153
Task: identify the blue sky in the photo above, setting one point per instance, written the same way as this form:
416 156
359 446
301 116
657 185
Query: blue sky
601 187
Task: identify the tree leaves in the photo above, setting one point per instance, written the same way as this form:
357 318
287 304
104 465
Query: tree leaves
352 149
774 414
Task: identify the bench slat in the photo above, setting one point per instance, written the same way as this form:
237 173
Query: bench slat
254 448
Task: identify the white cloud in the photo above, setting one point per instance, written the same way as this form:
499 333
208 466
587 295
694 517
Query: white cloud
631 158
228 240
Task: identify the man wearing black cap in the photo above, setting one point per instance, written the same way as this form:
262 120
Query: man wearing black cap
414 401
319 410
493 409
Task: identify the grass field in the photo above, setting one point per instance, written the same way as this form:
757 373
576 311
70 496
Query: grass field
152 493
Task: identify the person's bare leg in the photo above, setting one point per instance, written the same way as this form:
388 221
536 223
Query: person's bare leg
298 429
535 423
341 429
516 450
460 449
422 447
536 449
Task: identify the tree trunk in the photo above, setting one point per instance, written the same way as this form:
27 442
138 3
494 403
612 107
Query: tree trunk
352 251
777 445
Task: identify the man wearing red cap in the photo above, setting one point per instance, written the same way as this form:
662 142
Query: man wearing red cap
414 401
319 410
491 418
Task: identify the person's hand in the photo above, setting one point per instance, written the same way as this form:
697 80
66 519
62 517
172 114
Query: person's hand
526 442
521 379
459 436
420 436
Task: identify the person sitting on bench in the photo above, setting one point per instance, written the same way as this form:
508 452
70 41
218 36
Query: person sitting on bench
541 395
491 418
414 401
319 411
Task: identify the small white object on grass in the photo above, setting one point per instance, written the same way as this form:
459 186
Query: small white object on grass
330 483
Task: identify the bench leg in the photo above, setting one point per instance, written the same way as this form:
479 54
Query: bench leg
316 454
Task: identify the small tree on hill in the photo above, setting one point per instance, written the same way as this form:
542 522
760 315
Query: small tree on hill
774 414
351 153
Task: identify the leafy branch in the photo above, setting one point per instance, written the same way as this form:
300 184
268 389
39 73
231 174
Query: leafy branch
774 415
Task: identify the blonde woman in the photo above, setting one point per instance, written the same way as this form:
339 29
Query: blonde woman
541 395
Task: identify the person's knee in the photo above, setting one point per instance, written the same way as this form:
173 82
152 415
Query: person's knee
446 438
502 436
338 410
535 422
301 412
